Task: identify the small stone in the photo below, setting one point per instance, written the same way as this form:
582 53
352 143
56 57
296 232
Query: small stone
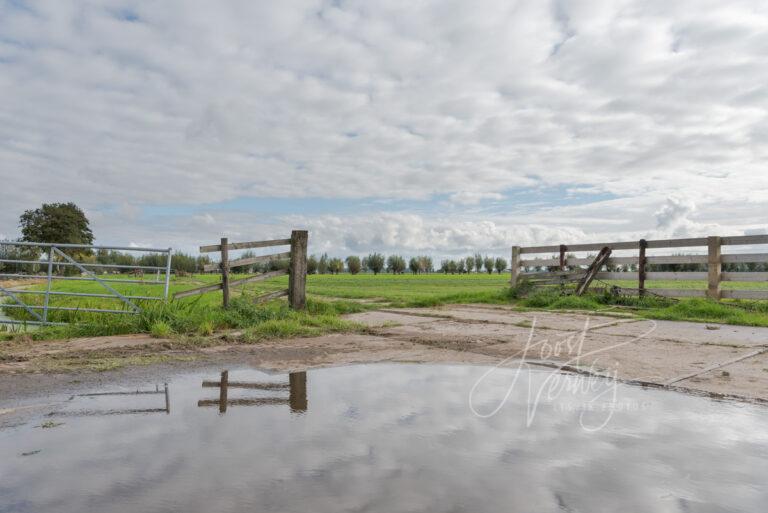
726 374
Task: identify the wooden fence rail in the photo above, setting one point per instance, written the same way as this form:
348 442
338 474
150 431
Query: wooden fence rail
563 267
297 269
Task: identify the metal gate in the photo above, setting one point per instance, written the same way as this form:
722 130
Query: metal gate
32 268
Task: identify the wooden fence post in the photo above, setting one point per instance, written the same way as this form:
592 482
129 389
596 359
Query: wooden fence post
714 267
515 265
641 261
297 280
563 249
225 270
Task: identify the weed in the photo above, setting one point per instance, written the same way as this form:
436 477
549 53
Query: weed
161 329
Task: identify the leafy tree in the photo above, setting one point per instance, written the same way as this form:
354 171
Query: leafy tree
335 265
460 266
19 253
364 264
426 264
395 264
375 262
469 263
500 265
312 264
353 264
278 265
322 264
414 265
452 267
64 223
488 263
478 262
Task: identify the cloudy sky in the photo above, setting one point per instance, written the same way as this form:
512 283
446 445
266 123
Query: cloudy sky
411 126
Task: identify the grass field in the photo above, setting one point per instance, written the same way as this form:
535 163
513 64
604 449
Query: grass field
331 295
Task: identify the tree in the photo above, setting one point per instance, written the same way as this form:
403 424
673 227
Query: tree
395 264
451 266
414 265
312 264
470 263
353 264
335 265
322 264
375 262
460 266
426 264
64 223
488 263
500 265
478 263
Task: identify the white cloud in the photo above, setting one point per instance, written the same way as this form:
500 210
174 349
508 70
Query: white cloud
473 198
128 104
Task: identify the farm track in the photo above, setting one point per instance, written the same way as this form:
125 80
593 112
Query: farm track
717 360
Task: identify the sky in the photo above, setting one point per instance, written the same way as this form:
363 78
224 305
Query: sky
438 127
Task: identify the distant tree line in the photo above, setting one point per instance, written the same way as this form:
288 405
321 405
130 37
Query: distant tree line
180 262
726 267
396 264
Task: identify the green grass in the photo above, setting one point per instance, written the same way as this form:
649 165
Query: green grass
747 313
198 315
330 296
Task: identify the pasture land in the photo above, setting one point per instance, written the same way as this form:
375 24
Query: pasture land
331 295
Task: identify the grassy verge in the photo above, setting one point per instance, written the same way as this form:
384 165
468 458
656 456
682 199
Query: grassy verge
746 313
332 295
198 317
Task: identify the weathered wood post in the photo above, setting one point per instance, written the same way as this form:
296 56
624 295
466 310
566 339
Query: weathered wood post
714 267
225 270
641 267
515 265
297 280
563 250
223 388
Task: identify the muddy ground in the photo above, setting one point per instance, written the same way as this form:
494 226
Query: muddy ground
719 360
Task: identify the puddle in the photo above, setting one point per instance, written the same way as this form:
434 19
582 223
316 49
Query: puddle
386 438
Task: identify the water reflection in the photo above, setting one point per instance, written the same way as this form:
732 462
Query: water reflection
385 438
118 411
296 388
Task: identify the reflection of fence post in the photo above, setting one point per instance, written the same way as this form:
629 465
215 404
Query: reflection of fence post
714 266
223 386
167 400
515 265
225 270
297 280
298 391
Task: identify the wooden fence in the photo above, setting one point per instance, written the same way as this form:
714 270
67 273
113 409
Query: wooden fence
563 266
297 269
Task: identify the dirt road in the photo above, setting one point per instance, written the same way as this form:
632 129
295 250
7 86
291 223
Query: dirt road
719 360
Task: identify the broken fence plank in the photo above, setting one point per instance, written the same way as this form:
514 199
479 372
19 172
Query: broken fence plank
217 286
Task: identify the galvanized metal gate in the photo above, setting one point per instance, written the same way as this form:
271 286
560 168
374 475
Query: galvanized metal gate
56 257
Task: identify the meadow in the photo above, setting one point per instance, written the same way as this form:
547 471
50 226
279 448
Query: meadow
331 295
